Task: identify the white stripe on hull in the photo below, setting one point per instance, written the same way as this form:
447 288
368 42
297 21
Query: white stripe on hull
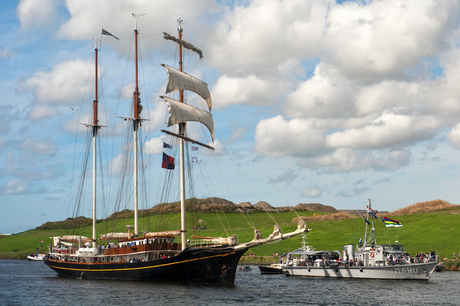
413 271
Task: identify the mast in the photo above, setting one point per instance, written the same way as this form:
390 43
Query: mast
181 149
95 128
369 235
137 108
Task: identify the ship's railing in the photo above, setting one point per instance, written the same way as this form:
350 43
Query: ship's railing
164 246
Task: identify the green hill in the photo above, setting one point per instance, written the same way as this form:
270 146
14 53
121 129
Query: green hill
423 231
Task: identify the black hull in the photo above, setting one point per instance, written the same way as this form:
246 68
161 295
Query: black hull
204 265
270 270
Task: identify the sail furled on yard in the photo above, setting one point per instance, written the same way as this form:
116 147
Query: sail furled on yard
180 113
183 43
178 80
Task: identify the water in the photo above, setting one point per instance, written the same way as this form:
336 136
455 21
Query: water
33 283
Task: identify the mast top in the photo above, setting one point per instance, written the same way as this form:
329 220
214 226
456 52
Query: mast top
180 21
136 18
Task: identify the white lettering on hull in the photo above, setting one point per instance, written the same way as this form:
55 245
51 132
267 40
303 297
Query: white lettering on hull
407 270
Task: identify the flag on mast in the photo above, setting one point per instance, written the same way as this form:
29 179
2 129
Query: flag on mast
168 162
391 222
104 32
365 219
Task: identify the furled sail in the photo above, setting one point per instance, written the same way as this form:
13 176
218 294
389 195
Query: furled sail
178 80
180 113
183 43
116 236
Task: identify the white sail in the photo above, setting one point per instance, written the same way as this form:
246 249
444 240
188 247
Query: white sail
180 113
178 80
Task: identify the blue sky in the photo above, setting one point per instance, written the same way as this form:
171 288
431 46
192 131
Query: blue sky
333 102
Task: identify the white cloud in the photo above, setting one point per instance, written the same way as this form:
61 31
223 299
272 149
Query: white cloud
387 131
44 147
66 84
454 136
312 192
40 112
383 38
248 90
88 16
325 95
35 14
260 34
287 176
278 137
154 145
343 160
14 187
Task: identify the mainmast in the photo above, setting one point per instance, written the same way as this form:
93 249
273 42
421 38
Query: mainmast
181 149
137 108
95 130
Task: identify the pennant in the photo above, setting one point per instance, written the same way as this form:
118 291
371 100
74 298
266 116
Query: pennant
196 160
194 148
165 145
391 222
365 219
370 209
104 32
168 162
373 214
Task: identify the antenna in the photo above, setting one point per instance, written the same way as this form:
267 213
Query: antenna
136 18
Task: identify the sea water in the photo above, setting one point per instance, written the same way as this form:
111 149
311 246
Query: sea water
33 283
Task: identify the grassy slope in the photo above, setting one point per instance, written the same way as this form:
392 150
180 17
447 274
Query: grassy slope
421 232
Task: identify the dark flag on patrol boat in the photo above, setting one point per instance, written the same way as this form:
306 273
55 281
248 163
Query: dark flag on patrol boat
104 32
168 162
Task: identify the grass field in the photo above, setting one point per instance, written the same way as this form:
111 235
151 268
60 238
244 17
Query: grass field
421 232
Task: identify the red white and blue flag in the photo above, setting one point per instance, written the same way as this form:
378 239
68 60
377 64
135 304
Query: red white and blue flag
168 162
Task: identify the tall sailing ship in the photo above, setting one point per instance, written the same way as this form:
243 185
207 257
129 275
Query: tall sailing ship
156 256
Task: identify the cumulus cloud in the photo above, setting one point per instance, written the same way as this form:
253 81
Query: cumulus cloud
249 90
342 160
86 17
384 38
278 30
35 14
65 84
389 130
278 137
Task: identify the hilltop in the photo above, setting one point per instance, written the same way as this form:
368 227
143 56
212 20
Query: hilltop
214 204
430 225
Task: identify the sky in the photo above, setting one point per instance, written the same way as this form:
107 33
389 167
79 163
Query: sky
314 101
